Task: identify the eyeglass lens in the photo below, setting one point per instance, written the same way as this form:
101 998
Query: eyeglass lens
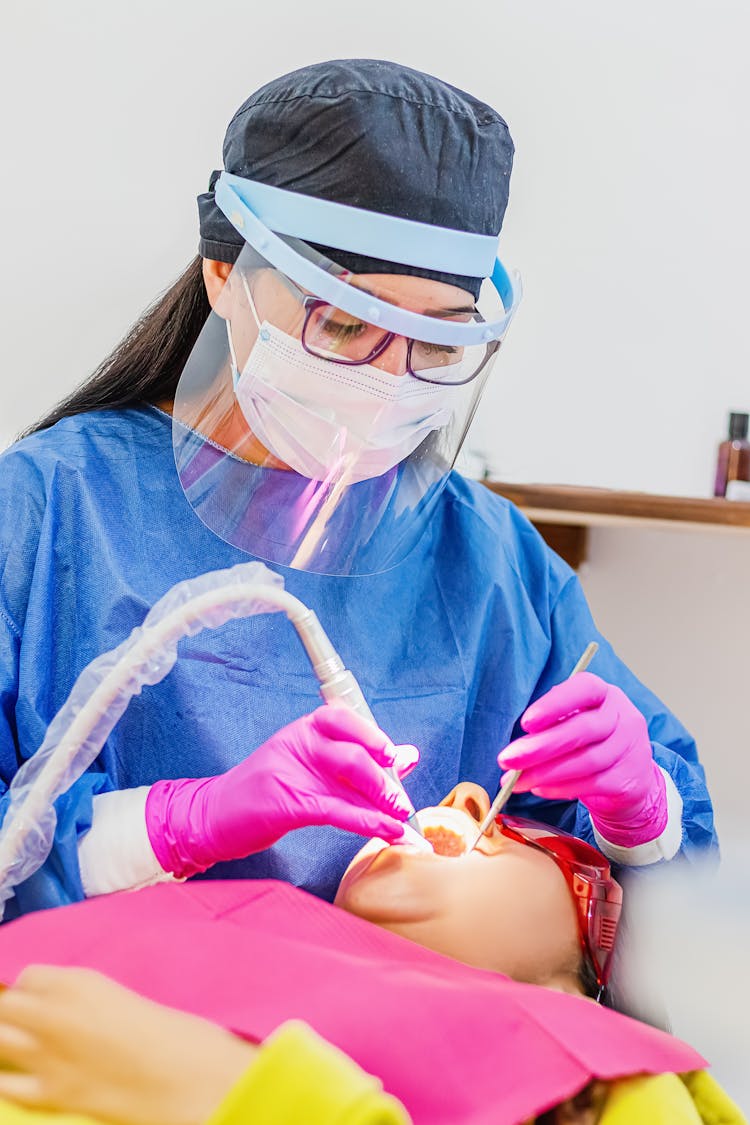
333 334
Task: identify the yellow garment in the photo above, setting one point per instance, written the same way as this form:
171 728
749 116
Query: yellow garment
16 1115
713 1105
670 1099
298 1077
327 1087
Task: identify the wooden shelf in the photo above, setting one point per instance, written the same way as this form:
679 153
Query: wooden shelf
563 513
592 505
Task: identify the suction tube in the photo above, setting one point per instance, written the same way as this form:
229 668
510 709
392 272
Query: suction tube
101 693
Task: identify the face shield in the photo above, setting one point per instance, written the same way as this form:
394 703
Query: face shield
320 412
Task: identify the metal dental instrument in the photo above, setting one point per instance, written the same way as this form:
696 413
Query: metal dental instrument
512 776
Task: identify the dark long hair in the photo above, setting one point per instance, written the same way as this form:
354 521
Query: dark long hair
147 363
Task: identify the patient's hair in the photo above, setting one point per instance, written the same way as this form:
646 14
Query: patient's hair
585 1108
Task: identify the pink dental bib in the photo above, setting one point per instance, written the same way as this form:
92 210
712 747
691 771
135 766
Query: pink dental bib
458 1046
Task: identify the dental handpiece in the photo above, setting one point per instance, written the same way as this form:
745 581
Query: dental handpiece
510 779
337 683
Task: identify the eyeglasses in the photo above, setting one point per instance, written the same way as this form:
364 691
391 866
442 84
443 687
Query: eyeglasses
597 896
329 333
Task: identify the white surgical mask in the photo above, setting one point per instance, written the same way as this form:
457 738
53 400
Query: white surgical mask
323 418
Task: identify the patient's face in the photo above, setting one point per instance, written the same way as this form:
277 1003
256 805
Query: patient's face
505 907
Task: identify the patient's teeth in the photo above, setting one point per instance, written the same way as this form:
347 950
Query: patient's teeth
450 831
445 842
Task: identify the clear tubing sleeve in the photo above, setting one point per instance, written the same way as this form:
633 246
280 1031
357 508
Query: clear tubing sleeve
103 690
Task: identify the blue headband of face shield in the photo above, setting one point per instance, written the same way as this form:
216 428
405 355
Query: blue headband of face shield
261 214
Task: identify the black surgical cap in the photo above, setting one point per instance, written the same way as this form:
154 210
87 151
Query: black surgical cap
375 135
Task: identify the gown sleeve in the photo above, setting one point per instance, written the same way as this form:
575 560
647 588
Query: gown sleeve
58 880
23 520
571 627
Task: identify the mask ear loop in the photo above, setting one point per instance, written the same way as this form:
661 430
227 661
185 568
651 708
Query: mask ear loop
232 356
262 332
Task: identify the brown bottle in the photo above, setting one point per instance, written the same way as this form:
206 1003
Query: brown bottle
734 455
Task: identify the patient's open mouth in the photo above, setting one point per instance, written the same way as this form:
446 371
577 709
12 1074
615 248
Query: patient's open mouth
450 831
445 842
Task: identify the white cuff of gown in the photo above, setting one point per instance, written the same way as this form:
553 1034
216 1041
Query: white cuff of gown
665 846
116 853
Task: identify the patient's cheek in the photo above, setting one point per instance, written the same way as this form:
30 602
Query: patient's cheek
444 842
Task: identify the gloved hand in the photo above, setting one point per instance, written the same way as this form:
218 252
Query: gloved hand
586 741
325 768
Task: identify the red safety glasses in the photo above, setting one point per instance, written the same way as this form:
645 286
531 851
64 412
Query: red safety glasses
598 897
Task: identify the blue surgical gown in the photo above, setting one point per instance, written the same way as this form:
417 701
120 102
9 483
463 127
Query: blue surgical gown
450 646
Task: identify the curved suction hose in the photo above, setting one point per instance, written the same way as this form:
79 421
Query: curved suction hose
103 690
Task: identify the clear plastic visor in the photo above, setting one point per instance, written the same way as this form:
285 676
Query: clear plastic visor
310 437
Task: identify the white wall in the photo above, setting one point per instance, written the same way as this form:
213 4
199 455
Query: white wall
676 605
629 221
628 214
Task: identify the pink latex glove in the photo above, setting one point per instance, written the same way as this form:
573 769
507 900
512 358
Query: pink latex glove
586 741
325 768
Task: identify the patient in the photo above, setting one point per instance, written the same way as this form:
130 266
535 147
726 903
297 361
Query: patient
83 1044
525 922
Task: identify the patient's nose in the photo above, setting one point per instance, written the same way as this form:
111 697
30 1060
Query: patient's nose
469 798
